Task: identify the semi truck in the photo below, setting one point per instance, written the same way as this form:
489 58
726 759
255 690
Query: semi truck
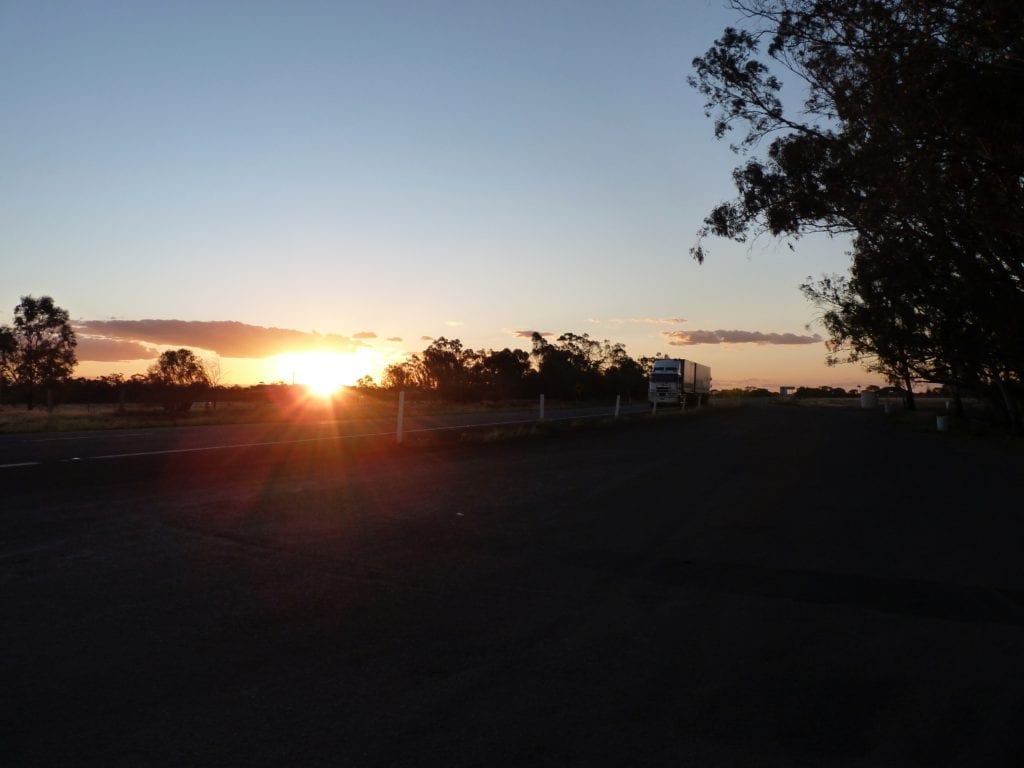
678 382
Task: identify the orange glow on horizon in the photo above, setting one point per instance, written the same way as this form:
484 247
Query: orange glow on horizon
324 372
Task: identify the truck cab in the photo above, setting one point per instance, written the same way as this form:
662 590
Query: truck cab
674 381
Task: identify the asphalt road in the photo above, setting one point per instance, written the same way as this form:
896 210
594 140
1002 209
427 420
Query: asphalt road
46 447
765 586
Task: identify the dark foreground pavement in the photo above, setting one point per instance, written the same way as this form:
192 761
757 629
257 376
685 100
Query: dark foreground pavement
767 586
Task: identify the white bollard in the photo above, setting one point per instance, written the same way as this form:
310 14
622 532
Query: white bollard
941 424
401 415
654 410
542 408
618 399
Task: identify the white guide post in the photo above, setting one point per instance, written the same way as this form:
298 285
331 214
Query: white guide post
618 399
542 407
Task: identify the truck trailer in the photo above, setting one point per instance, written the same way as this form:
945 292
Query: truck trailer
679 382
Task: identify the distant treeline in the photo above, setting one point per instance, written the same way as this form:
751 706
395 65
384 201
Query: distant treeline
493 379
572 367
829 392
141 389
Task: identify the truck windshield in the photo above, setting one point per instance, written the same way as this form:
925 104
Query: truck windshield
665 377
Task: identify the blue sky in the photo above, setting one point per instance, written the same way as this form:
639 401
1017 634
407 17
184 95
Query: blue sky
394 170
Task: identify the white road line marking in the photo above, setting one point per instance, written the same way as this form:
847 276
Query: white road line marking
389 433
94 436
232 445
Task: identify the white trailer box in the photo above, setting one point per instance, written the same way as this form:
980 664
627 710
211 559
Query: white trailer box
676 381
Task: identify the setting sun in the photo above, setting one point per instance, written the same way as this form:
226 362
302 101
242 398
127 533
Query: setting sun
323 372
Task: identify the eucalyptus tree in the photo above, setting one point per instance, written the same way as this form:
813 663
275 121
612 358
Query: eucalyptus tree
8 350
180 376
503 374
39 350
448 367
908 139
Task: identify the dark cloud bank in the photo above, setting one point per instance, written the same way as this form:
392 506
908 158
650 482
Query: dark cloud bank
101 350
117 340
688 338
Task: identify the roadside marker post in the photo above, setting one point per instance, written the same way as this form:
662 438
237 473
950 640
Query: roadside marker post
618 399
401 415
542 408
654 410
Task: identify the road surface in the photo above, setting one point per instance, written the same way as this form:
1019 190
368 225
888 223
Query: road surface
763 586
102 445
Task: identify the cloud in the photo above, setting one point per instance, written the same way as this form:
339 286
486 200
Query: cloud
227 338
529 334
592 321
364 335
396 339
426 338
100 350
649 320
688 338
454 323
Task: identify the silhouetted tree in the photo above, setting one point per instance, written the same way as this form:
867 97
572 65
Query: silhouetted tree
503 374
447 366
366 383
395 376
569 368
43 346
871 326
574 367
907 140
408 374
8 350
214 379
622 375
180 377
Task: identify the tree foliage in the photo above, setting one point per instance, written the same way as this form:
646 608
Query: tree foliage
447 367
909 139
574 366
8 350
38 352
181 376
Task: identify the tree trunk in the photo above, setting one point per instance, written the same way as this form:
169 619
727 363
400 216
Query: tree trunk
911 405
1009 405
958 402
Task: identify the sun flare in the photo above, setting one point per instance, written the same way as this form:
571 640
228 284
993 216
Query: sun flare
323 372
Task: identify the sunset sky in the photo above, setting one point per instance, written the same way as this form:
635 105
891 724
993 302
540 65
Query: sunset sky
254 180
